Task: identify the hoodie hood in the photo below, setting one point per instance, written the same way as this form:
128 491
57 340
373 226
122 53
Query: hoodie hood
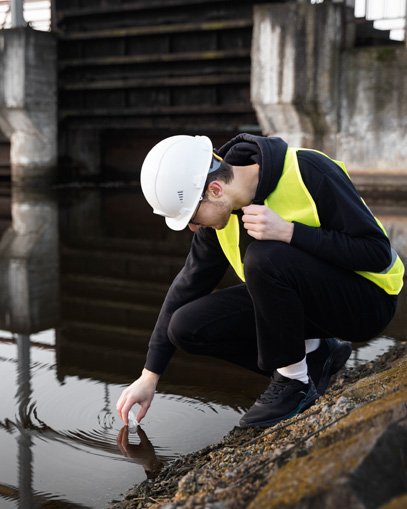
268 152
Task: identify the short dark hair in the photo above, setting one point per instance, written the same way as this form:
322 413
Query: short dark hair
224 173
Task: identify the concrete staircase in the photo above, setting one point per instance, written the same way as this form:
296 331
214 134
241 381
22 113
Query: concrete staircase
133 72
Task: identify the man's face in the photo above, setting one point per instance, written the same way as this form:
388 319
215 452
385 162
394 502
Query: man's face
210 213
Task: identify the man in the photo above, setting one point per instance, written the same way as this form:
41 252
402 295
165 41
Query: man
313 260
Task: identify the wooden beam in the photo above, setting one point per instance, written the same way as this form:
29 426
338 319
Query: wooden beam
156 57
205 26
182 81
228 123
139 6
156 111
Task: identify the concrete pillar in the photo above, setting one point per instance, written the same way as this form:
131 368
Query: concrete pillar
295 66
17 13
28 103
405 25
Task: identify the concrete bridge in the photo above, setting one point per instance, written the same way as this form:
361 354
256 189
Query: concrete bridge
131 73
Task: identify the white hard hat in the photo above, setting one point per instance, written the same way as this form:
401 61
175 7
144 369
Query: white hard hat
173 176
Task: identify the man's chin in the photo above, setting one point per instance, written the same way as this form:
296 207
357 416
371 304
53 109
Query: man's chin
219 227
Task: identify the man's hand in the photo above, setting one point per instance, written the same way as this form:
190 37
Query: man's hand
262 223
142 392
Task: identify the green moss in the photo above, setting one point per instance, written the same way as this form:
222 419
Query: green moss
380 384
346 445
386 53
397 503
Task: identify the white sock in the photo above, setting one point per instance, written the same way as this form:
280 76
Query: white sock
312 344
297 371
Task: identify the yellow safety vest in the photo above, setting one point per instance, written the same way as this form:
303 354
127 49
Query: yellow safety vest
293 202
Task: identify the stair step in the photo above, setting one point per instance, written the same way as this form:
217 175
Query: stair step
186 109
182 81
156 57
367 34
101 10
169 28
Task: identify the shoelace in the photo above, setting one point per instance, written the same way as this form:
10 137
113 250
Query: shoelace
272 392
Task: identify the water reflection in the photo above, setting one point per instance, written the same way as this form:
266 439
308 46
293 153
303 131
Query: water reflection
28 303
83 274
59 435
142 453
29 264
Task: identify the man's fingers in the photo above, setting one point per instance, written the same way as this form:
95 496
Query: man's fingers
120 401
142 411
124 414
254 214
253 209
254 234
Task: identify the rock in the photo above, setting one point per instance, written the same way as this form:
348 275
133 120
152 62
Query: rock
356 463
348 450
396 503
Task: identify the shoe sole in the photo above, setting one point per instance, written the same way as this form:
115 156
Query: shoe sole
310 398
336 360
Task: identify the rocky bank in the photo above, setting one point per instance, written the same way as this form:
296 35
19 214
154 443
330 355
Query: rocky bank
348 450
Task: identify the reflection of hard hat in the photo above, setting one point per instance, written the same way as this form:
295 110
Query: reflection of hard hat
173 177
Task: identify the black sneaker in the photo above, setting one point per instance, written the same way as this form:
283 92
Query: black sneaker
327 360
282 399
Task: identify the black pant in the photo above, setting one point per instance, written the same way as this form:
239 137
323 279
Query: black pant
289 296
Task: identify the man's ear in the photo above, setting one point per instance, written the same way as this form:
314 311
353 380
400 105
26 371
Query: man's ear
215 189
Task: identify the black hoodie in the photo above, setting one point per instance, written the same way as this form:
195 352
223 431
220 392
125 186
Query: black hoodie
348 237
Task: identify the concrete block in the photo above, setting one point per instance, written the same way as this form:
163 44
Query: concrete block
294 83
28 103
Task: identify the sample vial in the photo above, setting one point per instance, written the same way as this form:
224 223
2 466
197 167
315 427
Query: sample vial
133 422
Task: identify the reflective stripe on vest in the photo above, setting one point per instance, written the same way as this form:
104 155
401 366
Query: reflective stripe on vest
293 202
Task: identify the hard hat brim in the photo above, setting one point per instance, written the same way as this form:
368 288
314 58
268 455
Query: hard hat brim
177 224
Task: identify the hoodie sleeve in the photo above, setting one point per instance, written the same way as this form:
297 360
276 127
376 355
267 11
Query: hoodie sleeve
204 267
349 236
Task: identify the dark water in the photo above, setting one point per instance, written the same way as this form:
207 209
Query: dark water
83 273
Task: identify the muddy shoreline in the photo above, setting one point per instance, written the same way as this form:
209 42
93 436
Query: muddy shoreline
237 472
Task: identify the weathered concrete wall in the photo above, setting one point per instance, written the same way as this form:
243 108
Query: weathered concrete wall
28 105
312 87
295 72
373 108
